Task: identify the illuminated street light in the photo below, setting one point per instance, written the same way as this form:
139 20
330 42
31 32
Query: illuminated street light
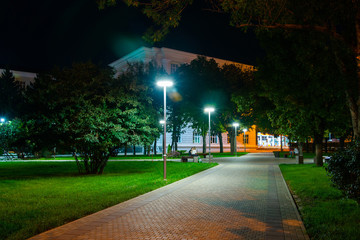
245 139
209 110
164 83
235 125
2 120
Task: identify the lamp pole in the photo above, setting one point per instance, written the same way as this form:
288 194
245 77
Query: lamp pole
235 125
164 83
245 139
209 110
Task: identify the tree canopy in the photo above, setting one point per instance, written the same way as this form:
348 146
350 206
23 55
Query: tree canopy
85 109
338 21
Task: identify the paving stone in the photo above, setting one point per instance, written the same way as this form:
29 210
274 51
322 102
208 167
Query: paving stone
242 198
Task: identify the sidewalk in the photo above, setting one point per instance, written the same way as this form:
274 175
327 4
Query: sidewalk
242 198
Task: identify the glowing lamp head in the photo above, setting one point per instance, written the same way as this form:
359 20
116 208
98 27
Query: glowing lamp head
2 120
165 83
209 109
245 130
235 124
162 122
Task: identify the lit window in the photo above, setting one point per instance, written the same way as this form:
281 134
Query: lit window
180 139
173 67
214 139
246 138
196 137
228 138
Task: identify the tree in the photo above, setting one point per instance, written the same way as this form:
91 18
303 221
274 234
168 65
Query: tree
138 80
200 81
85 109
335 20
305 86
11 98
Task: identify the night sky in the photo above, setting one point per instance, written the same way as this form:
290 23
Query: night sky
37 35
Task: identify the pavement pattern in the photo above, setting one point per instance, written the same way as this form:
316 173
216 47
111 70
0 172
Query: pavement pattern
242 198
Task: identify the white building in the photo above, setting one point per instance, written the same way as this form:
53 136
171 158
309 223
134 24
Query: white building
170 59
24 78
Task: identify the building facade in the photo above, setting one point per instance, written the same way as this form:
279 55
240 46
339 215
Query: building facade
24 78
169 60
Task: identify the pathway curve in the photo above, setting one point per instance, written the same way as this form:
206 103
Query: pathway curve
242 198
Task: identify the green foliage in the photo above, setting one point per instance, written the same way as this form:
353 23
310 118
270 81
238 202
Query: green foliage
35 197
86 110
168 149
13 135
204 83
344 169
324 210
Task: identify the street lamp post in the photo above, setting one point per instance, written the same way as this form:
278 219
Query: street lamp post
245 139
164 83
235 125
209 110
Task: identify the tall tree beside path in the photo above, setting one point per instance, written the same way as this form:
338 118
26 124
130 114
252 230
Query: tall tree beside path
305 85
336 20
85 109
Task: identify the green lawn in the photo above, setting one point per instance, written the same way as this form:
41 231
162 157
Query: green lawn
158 156
228 154
326 213
37 196
306 154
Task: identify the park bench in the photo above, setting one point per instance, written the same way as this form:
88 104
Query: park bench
8 156
186 158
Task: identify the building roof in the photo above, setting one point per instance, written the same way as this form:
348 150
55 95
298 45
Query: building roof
165 57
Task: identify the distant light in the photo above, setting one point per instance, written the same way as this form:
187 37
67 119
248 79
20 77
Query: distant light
235 124
245 130
165 83
209 109
2 120
162 122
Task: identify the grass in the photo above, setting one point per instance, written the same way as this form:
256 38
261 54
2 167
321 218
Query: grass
158 156
326 213
37 196
305 154
228 154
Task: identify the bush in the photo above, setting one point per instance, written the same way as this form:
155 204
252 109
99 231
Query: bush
344 169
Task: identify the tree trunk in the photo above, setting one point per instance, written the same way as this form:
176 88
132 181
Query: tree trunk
148 150
281 143
221 143
318 150
232 143
155 147
326 146
301 155
125 151
134 150
144 149
342 143
354 100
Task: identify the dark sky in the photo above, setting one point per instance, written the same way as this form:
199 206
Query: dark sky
37 35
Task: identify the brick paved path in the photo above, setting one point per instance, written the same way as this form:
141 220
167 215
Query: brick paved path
242 198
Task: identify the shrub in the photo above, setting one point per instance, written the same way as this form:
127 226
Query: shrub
344 169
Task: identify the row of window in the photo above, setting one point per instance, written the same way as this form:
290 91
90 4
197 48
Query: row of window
197 138
214 139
